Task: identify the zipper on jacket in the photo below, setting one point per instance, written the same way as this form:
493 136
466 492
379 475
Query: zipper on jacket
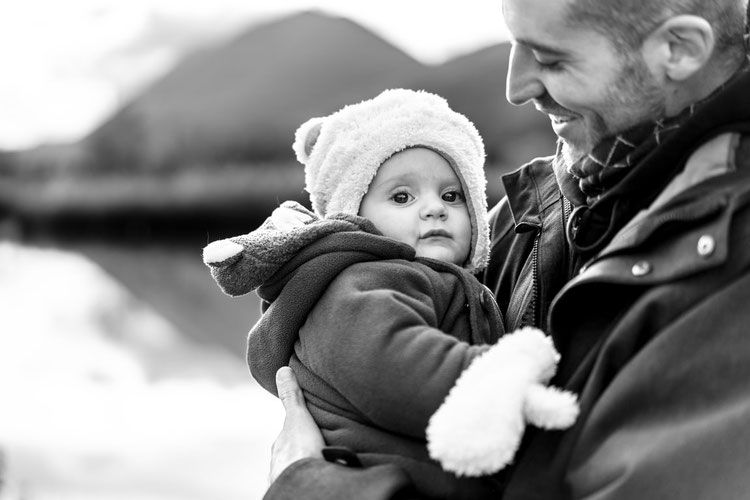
524 294
530 315
566 211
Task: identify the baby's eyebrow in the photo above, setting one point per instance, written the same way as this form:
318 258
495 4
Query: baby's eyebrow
400 178
388 183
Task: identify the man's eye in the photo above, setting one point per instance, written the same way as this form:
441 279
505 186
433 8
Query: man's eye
400 198
453 196
549 65
547 62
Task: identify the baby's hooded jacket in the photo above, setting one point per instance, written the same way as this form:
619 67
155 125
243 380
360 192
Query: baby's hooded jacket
363 323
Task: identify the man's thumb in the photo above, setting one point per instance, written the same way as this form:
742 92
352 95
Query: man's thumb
288 389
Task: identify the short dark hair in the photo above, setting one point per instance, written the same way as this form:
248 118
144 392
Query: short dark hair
628 22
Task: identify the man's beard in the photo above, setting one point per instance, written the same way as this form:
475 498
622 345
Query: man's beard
565 157
567 154
635 89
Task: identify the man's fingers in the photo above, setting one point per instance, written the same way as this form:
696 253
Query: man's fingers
288 389
300 436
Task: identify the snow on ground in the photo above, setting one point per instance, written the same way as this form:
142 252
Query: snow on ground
103 400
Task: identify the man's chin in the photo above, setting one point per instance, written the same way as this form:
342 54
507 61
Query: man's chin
571 153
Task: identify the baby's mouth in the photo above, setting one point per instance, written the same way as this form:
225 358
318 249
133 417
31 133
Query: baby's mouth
436 233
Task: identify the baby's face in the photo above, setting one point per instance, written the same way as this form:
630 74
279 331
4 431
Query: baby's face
417 199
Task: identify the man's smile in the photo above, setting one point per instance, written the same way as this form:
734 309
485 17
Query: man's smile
560 124
560 119
558 116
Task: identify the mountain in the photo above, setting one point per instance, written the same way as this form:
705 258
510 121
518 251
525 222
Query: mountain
243 100
207 148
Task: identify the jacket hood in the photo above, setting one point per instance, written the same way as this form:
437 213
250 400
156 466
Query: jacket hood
292 262
241 264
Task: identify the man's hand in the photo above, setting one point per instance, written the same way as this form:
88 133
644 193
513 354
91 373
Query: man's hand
299 437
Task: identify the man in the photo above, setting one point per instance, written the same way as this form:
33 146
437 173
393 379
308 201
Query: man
640 269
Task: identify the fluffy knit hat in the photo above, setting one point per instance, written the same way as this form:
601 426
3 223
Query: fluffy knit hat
343 151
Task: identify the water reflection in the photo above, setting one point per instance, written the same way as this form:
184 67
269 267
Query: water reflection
104 397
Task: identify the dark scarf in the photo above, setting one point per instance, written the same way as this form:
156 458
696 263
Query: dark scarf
612 158
625 173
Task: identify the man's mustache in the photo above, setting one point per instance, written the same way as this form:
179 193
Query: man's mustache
546 104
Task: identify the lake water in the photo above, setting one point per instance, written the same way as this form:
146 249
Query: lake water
123 377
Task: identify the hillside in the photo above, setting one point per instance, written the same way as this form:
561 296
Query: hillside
243 100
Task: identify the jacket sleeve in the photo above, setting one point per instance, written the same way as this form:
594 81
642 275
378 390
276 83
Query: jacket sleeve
316 479
673 422
373 336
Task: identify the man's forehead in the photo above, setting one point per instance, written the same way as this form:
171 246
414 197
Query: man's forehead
530 20
558 6
541 26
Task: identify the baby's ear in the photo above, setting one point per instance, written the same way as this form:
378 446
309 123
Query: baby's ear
222 253
306 137
230 267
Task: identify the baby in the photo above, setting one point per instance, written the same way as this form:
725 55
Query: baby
371 299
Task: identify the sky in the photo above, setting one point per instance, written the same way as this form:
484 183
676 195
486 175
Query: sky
69 64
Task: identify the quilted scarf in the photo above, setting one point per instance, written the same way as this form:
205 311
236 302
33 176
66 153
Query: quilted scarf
612 158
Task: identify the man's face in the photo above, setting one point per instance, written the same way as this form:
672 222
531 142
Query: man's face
588 88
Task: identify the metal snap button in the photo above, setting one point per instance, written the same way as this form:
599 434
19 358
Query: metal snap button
641 268
706 245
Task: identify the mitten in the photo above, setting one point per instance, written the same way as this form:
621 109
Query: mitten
477 429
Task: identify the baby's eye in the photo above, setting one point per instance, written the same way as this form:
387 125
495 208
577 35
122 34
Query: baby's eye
401 197
453 196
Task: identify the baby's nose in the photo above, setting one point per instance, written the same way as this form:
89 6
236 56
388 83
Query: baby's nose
434 207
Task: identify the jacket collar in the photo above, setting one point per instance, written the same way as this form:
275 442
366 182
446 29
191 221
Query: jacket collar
714 158
702 199
530 191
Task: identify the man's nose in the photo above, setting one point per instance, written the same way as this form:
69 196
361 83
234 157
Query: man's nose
522 83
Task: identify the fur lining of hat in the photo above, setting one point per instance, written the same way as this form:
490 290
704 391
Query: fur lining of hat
343 151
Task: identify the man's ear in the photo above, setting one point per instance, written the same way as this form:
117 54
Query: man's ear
679 47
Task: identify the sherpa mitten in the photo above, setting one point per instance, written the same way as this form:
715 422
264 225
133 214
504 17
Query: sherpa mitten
241 264
477 429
